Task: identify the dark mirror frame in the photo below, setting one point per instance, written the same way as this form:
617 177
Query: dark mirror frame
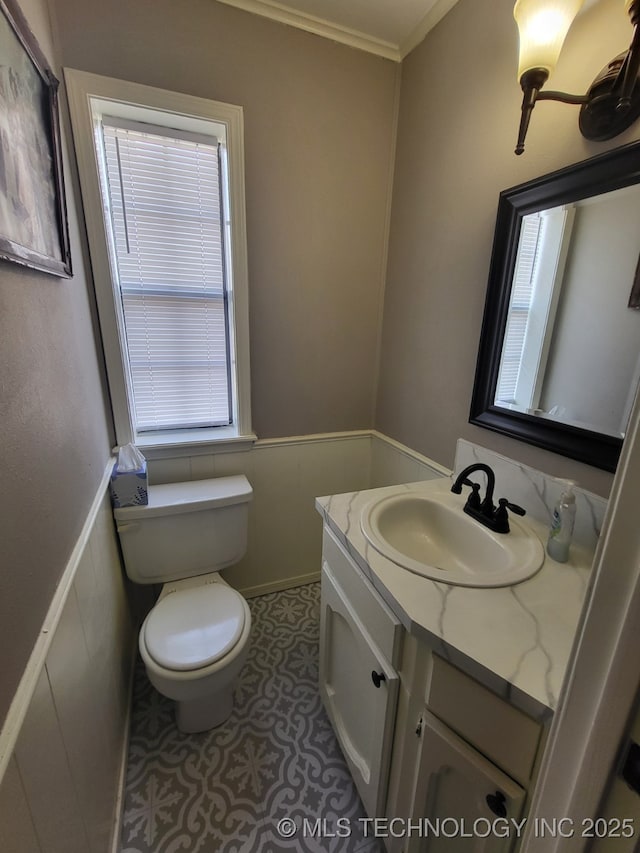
601 174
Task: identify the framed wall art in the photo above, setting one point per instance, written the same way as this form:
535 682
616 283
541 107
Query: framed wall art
33 218
634 296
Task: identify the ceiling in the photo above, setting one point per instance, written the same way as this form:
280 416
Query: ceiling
389 28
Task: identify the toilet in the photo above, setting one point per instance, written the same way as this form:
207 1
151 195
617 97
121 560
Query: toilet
195 640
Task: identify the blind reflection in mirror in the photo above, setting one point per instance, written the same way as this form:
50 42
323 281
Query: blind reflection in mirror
571 350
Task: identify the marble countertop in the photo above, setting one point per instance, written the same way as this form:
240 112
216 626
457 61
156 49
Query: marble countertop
516 640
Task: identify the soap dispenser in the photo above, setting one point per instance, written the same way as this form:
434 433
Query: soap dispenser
561 531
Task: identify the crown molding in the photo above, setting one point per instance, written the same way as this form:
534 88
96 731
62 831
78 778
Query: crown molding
345 35
430 20
319 27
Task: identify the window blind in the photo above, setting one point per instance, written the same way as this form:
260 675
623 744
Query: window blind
164 197
519 307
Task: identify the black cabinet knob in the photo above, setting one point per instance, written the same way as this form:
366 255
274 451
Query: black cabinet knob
496 803
631 768
377 678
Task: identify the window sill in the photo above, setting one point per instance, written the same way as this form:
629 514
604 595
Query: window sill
193 442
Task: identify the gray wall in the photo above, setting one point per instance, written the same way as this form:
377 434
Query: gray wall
55 441
319 122
459 111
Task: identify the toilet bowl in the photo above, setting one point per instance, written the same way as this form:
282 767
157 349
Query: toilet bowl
194 641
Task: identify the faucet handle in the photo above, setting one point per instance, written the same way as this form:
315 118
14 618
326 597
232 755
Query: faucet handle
501 516
473 501
518 510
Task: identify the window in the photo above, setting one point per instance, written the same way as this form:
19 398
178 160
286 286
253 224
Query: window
162 186
537 283
164 196
521 296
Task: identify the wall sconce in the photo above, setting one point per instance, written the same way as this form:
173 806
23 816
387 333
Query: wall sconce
612 103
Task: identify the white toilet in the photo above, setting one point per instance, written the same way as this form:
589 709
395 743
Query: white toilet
195 640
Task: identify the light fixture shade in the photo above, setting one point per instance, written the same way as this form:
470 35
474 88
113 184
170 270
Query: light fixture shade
543 26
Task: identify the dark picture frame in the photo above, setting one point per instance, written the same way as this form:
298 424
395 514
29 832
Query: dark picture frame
33 217
634 296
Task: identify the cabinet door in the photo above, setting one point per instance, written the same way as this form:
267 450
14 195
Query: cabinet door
620 811
452 786
362 714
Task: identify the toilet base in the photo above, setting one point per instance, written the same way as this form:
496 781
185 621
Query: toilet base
204 713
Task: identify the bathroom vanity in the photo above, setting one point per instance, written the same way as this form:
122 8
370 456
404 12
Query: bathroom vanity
441 696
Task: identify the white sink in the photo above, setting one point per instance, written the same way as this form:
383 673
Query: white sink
430 535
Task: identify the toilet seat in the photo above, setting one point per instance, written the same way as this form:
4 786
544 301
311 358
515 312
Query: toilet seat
193 628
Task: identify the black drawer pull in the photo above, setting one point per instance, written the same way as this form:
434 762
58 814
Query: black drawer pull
631 768
496 803
377 678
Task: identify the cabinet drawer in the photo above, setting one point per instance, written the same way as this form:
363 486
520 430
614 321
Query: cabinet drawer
380 622
498 730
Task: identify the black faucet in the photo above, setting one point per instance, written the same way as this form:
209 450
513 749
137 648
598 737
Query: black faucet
484 511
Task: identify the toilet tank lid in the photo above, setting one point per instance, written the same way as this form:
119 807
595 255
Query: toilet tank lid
174 498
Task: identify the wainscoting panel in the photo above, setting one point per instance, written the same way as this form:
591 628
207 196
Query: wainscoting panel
393 463
17 832
62 787
285 531
287 474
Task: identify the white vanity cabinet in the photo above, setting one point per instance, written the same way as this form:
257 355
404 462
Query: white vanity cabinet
464 760
457 797
469 761
359 649
423 740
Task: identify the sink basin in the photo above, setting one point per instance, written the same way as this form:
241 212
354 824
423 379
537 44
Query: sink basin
430 535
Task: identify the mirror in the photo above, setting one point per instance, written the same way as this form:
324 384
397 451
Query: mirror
559 357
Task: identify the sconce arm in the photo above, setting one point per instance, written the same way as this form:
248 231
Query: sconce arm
532 82
564 97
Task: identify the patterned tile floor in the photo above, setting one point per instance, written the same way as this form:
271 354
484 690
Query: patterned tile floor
225 791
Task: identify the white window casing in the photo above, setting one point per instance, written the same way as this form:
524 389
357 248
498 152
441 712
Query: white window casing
555 239
535 291
136 238
519 305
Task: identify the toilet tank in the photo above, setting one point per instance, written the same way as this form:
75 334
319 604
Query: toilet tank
186 529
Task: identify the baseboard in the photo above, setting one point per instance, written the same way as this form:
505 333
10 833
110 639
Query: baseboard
118 809
277 586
